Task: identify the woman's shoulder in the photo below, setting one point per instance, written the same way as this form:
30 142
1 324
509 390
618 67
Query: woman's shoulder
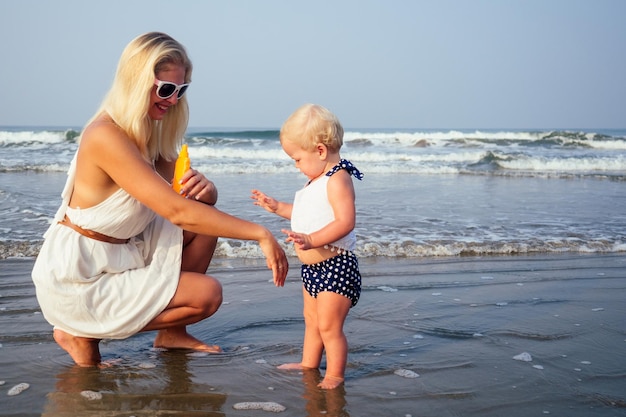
101 125
101 135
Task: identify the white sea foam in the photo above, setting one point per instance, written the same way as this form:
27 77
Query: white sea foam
541 164
524 357
197 354
147 365
29 136
18 389
91 395
410 216
265 406
406 373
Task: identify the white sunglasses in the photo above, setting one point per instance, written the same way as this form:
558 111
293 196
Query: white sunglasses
166 89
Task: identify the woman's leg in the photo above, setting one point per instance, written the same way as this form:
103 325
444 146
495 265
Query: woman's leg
198 296
197 252
332 310
84 351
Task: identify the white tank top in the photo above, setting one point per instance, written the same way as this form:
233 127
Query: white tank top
312 211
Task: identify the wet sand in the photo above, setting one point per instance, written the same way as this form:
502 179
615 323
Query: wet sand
429 337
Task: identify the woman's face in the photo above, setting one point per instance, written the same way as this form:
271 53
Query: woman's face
158 106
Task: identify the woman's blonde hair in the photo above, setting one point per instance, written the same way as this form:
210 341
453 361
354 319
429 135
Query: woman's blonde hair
128 99
311 124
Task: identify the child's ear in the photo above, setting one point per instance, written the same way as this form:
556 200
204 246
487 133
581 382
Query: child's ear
322 150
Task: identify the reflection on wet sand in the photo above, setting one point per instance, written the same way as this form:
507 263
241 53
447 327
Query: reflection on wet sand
137 389
321 402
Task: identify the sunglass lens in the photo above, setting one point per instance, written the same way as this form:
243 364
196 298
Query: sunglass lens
182 91
166 90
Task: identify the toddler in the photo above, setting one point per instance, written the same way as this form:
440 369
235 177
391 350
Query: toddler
322 230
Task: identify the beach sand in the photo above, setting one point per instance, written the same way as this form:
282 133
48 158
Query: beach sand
429 337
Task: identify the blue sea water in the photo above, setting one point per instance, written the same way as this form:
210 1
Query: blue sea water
437 333
426 192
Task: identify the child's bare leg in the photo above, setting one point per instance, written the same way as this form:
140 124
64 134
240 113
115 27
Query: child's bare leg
332 312
84 351
311 351
313 346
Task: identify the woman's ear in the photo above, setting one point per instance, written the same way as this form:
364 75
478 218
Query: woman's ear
322 151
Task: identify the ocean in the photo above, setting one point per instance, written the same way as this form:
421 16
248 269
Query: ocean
426 192
493 283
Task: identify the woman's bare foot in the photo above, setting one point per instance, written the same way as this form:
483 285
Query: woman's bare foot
84 351
330 382
178 338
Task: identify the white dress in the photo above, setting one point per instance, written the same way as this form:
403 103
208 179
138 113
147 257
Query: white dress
96 289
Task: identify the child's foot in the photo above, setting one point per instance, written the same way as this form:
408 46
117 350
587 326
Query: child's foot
330 382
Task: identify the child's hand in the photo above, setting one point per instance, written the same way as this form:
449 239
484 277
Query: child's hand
268 203
301 241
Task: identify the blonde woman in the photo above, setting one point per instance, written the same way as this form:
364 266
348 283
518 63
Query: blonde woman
125 252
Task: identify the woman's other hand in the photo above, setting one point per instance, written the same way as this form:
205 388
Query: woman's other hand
198 187
275 258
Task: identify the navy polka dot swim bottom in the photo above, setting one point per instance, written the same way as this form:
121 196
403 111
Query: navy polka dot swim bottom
339 274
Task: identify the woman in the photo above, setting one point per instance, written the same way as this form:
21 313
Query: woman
126 253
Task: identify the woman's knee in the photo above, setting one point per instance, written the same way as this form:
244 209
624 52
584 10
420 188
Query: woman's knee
212 296
199 291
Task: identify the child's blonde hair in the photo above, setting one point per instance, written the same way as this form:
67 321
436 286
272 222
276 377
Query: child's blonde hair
312 124
128 100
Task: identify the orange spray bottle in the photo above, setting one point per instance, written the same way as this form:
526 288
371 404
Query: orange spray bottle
183 163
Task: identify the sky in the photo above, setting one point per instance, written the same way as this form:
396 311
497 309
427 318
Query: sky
452 64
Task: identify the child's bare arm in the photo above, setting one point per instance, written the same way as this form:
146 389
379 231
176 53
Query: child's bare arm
271 204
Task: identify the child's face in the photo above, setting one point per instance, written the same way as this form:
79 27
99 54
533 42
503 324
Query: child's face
310 163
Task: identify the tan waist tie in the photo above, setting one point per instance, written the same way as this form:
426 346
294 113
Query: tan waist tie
91 234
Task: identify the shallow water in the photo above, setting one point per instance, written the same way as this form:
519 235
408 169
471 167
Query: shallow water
429 337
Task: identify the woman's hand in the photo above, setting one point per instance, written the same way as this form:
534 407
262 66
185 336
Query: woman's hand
198 187
275 258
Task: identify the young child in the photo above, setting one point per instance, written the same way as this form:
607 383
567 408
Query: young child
322 222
